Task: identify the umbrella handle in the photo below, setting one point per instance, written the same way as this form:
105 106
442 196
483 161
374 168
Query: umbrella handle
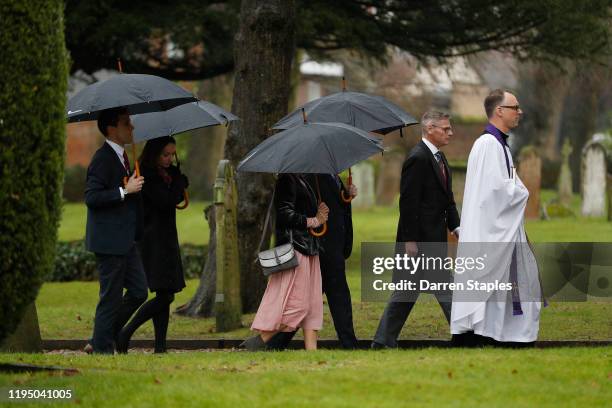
324 226
185 201
136 164
349 183
318 233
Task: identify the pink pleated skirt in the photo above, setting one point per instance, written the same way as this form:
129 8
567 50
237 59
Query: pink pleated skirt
293 298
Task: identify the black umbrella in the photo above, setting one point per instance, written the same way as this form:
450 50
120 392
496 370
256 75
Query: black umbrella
325 148
139 93
372 113
320 148
180 119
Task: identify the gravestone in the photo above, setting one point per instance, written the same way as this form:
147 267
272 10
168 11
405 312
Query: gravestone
363 178
565 188
530 172
593 180
228 308
388 180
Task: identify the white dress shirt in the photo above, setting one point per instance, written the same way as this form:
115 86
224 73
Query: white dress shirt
119 150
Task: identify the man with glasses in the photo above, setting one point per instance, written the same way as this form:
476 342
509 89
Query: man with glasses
493 209
427 212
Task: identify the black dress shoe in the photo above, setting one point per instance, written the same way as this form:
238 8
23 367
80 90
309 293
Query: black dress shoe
122 343
254 343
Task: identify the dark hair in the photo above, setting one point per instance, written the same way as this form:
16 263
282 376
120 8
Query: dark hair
109 117
493 100
153 149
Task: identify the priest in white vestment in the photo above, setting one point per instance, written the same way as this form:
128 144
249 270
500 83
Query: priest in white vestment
492 223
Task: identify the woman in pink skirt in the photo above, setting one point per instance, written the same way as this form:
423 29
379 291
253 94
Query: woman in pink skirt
293 297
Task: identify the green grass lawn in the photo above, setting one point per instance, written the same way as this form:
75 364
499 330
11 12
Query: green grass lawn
577 377
65 311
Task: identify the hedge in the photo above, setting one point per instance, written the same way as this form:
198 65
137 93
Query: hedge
74 263
34 68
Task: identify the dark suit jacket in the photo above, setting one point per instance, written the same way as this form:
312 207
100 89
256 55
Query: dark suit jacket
427 208
339 236
112 225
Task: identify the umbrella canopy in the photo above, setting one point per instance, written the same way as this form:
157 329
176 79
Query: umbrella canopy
139 93
371 113
185 117
309 147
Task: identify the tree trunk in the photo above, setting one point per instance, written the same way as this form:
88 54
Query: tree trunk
206 145
543 90
264 49
202 303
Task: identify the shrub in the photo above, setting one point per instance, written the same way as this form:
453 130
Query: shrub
32 132
74 263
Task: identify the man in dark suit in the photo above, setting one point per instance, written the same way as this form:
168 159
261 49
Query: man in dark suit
114 223
337 245
427 211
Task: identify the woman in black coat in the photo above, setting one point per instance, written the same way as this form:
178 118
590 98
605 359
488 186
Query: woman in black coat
160 253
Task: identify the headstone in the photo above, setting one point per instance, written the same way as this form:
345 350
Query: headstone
388 180
363 178
530 172
228 308
593 180
26 337
565 188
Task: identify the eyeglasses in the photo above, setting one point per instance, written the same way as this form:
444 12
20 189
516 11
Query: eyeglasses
445 129
514 107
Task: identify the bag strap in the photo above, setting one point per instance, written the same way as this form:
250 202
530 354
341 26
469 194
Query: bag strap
267 221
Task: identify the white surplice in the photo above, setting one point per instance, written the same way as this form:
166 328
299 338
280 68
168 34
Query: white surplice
493 215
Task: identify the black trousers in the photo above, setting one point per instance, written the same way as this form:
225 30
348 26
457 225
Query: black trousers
394 317
114 307
336 289
400 304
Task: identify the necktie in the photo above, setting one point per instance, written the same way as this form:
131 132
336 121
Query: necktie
126 162
438 156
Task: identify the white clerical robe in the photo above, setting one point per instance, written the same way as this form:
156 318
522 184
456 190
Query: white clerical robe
492 221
